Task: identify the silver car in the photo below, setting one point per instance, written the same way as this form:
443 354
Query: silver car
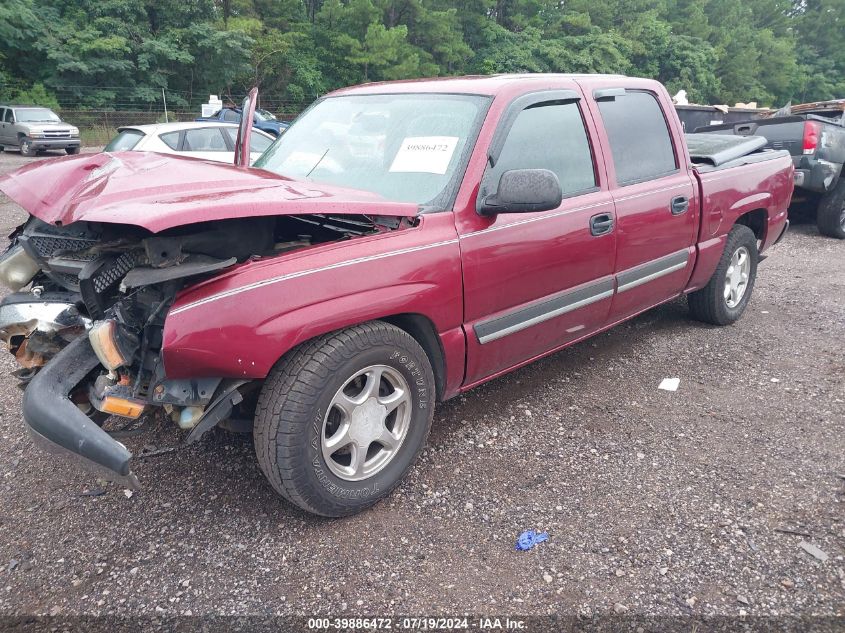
33 129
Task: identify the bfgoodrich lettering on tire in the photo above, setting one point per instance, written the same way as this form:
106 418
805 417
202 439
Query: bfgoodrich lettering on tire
722 301
340 419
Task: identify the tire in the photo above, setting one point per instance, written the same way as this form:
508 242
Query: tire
710 304
71 151
298 413
831 211
2 149
27 149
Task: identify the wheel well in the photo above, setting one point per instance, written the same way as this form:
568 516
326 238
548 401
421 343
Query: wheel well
424 332
756 220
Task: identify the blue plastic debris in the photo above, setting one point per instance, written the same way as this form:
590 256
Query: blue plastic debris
529 539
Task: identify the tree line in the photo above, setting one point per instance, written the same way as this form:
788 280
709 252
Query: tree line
121 53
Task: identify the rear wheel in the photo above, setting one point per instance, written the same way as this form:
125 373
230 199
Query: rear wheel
341 419
831 213
723 300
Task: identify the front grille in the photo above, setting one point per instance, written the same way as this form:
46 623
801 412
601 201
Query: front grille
57 134
47 246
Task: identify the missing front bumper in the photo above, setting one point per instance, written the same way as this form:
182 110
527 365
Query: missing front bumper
58 425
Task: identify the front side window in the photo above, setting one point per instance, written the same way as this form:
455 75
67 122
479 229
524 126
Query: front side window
10 116
548 136
206 139
36 115
639 137
403 147
258 143
124 141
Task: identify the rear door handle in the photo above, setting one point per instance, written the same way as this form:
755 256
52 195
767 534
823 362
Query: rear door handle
601 224
679 205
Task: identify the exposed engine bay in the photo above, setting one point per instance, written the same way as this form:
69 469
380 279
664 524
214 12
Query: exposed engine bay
115 283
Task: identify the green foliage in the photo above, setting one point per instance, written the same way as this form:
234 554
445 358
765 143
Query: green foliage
122 53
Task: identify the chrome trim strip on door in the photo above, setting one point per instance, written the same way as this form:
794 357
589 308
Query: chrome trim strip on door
556 305
649 271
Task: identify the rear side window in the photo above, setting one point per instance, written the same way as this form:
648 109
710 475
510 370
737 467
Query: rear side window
171 139
639 137
125 141
206 139
548 136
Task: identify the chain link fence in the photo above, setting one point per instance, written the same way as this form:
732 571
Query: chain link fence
98 127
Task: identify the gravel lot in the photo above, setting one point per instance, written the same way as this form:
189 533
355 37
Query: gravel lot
657 503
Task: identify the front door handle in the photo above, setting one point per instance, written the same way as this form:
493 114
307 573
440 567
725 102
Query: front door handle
679 205
601 224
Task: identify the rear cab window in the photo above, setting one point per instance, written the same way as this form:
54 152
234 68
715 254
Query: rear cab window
124 141
558 131
640 143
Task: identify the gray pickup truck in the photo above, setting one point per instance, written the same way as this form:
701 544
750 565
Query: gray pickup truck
814 133
33 129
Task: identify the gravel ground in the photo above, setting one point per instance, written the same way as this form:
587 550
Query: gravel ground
657 503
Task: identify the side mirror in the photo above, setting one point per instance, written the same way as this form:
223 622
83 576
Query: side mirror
523 191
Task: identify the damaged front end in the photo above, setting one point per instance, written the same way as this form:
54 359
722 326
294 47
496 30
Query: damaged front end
86 317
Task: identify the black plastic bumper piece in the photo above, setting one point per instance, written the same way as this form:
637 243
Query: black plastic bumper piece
59 426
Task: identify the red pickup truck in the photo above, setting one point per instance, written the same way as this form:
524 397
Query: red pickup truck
399 244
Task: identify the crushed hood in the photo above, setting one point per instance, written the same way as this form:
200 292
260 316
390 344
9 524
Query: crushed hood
158 192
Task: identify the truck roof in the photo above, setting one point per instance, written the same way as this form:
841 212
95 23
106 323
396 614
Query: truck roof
470 84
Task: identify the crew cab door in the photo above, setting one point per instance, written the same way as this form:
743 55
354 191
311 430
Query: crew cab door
536 281
654 194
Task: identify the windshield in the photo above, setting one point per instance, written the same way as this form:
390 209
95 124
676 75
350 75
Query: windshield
36 115
263 115
404 147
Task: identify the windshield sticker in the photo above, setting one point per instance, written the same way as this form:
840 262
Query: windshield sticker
425 154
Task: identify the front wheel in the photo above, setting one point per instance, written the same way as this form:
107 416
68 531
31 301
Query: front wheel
831 211
341 419
723 300
27 149
72 150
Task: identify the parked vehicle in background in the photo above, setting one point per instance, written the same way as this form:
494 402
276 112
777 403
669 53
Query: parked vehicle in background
695 116
262 120
32 129
331 294
814 133
209 141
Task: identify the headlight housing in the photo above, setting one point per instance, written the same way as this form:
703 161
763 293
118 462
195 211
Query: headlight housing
36 135
74 131
114 345
17 268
